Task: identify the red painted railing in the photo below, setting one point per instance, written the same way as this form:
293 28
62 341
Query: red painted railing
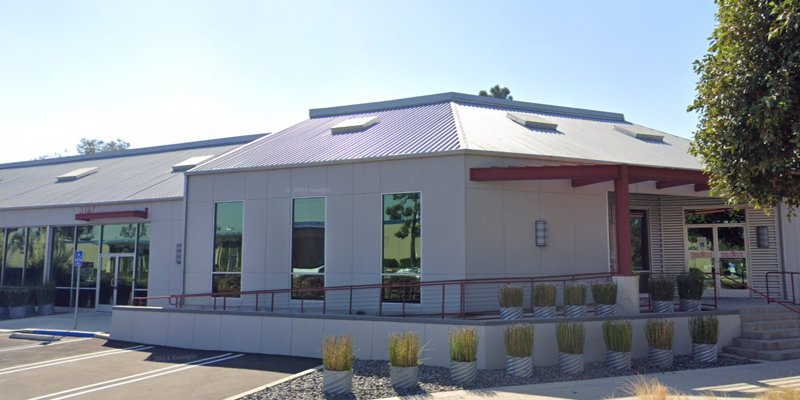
460 298
788 301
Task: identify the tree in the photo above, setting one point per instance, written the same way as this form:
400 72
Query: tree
497 92
92 146
748 100
407 210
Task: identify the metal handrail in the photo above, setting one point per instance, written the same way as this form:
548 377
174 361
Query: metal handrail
784 302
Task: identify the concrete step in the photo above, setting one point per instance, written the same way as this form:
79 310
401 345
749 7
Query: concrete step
770 309
768 325
781 316
771 334
767 344
770 355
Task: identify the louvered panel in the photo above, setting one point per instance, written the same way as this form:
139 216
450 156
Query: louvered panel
762 260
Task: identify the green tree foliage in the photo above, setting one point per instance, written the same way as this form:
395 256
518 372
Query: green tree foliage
748 100
408 211
92 146
497 92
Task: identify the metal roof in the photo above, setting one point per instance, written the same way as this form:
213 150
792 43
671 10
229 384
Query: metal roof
453 122
121 176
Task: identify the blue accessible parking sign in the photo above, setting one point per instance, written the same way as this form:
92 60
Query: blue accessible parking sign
78 258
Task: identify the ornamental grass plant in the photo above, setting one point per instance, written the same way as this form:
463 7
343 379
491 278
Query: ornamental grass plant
662 288
404 349
570 337
618 335
518 340
704 329
337 353
511 296
659 333
464 345
544 295
604 292
574 294
690 285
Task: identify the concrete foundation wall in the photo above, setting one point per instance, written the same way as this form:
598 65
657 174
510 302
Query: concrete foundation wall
302 336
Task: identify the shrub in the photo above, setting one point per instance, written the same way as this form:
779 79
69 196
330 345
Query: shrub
3 298
570 337
704 329
604 292
690 285
544 295
662 288
511 296
18 297
650 389
46 294
464 345
574 294
337 353
519 340
404 349
618 335
659 333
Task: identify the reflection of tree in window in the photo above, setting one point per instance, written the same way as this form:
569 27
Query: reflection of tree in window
308 247
715 216
401 246
34 264
15 257
227 247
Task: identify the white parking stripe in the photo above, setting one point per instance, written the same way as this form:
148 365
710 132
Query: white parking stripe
138 377
80 357
38 345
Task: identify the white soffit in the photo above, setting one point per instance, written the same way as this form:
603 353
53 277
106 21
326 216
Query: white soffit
355 124
640 132
190 163
532 121
76 174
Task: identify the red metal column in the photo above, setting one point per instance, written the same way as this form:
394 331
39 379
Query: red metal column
622 222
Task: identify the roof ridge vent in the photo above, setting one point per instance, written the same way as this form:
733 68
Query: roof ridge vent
355 124
531 121
190 163
76 174
640 132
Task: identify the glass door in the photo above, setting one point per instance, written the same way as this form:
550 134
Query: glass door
114 281
720 249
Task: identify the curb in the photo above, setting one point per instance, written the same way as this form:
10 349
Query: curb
278 382
56 332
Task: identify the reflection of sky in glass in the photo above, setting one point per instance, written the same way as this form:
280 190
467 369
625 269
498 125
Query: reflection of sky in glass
229 218
311 210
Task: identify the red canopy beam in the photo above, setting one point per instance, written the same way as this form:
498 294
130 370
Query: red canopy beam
622 222
669 184
543 173
111 214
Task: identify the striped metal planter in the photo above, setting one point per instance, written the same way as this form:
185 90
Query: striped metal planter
519 366
509 313
403 377
570 364
605 309
337 382
618 360
544 312
463 373
574 311
704 353
690 305
663 307
661 358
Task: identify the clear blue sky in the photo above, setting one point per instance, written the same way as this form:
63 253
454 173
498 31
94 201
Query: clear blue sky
158 72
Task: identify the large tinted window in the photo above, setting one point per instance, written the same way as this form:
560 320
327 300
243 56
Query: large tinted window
34 262
15 257
227 268
308 247
142 260
89 243
402 246
714 216
119 238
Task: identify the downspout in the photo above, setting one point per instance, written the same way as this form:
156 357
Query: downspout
185 221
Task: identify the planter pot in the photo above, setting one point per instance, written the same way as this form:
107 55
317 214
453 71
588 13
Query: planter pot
570 364
704 353
663 307
17 312
403 377
45 309
463 373
544 312
661 358
574 311
618 360
519 366
509 313
605 309
337 382
690 305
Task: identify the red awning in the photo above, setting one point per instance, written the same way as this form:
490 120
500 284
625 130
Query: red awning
111 215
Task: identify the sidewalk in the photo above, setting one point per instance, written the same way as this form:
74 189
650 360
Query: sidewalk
741 381
88 320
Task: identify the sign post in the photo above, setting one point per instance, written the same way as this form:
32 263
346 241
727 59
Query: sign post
78 263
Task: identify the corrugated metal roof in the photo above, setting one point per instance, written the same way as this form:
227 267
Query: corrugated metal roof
450 122
130 175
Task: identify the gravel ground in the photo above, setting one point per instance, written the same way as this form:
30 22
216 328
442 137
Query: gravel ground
371 379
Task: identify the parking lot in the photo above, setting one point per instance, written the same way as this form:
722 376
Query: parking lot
90 368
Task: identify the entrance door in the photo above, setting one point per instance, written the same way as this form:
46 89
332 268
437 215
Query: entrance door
721 249
114 281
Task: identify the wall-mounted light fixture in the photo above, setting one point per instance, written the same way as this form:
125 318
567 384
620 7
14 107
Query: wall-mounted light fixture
762 237
541 233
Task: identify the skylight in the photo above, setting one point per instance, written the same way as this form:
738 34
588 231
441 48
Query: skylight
355 124
190 163
531 121
76 174
640 132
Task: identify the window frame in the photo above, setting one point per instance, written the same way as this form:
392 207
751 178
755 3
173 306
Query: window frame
214 248
383 247
291 248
